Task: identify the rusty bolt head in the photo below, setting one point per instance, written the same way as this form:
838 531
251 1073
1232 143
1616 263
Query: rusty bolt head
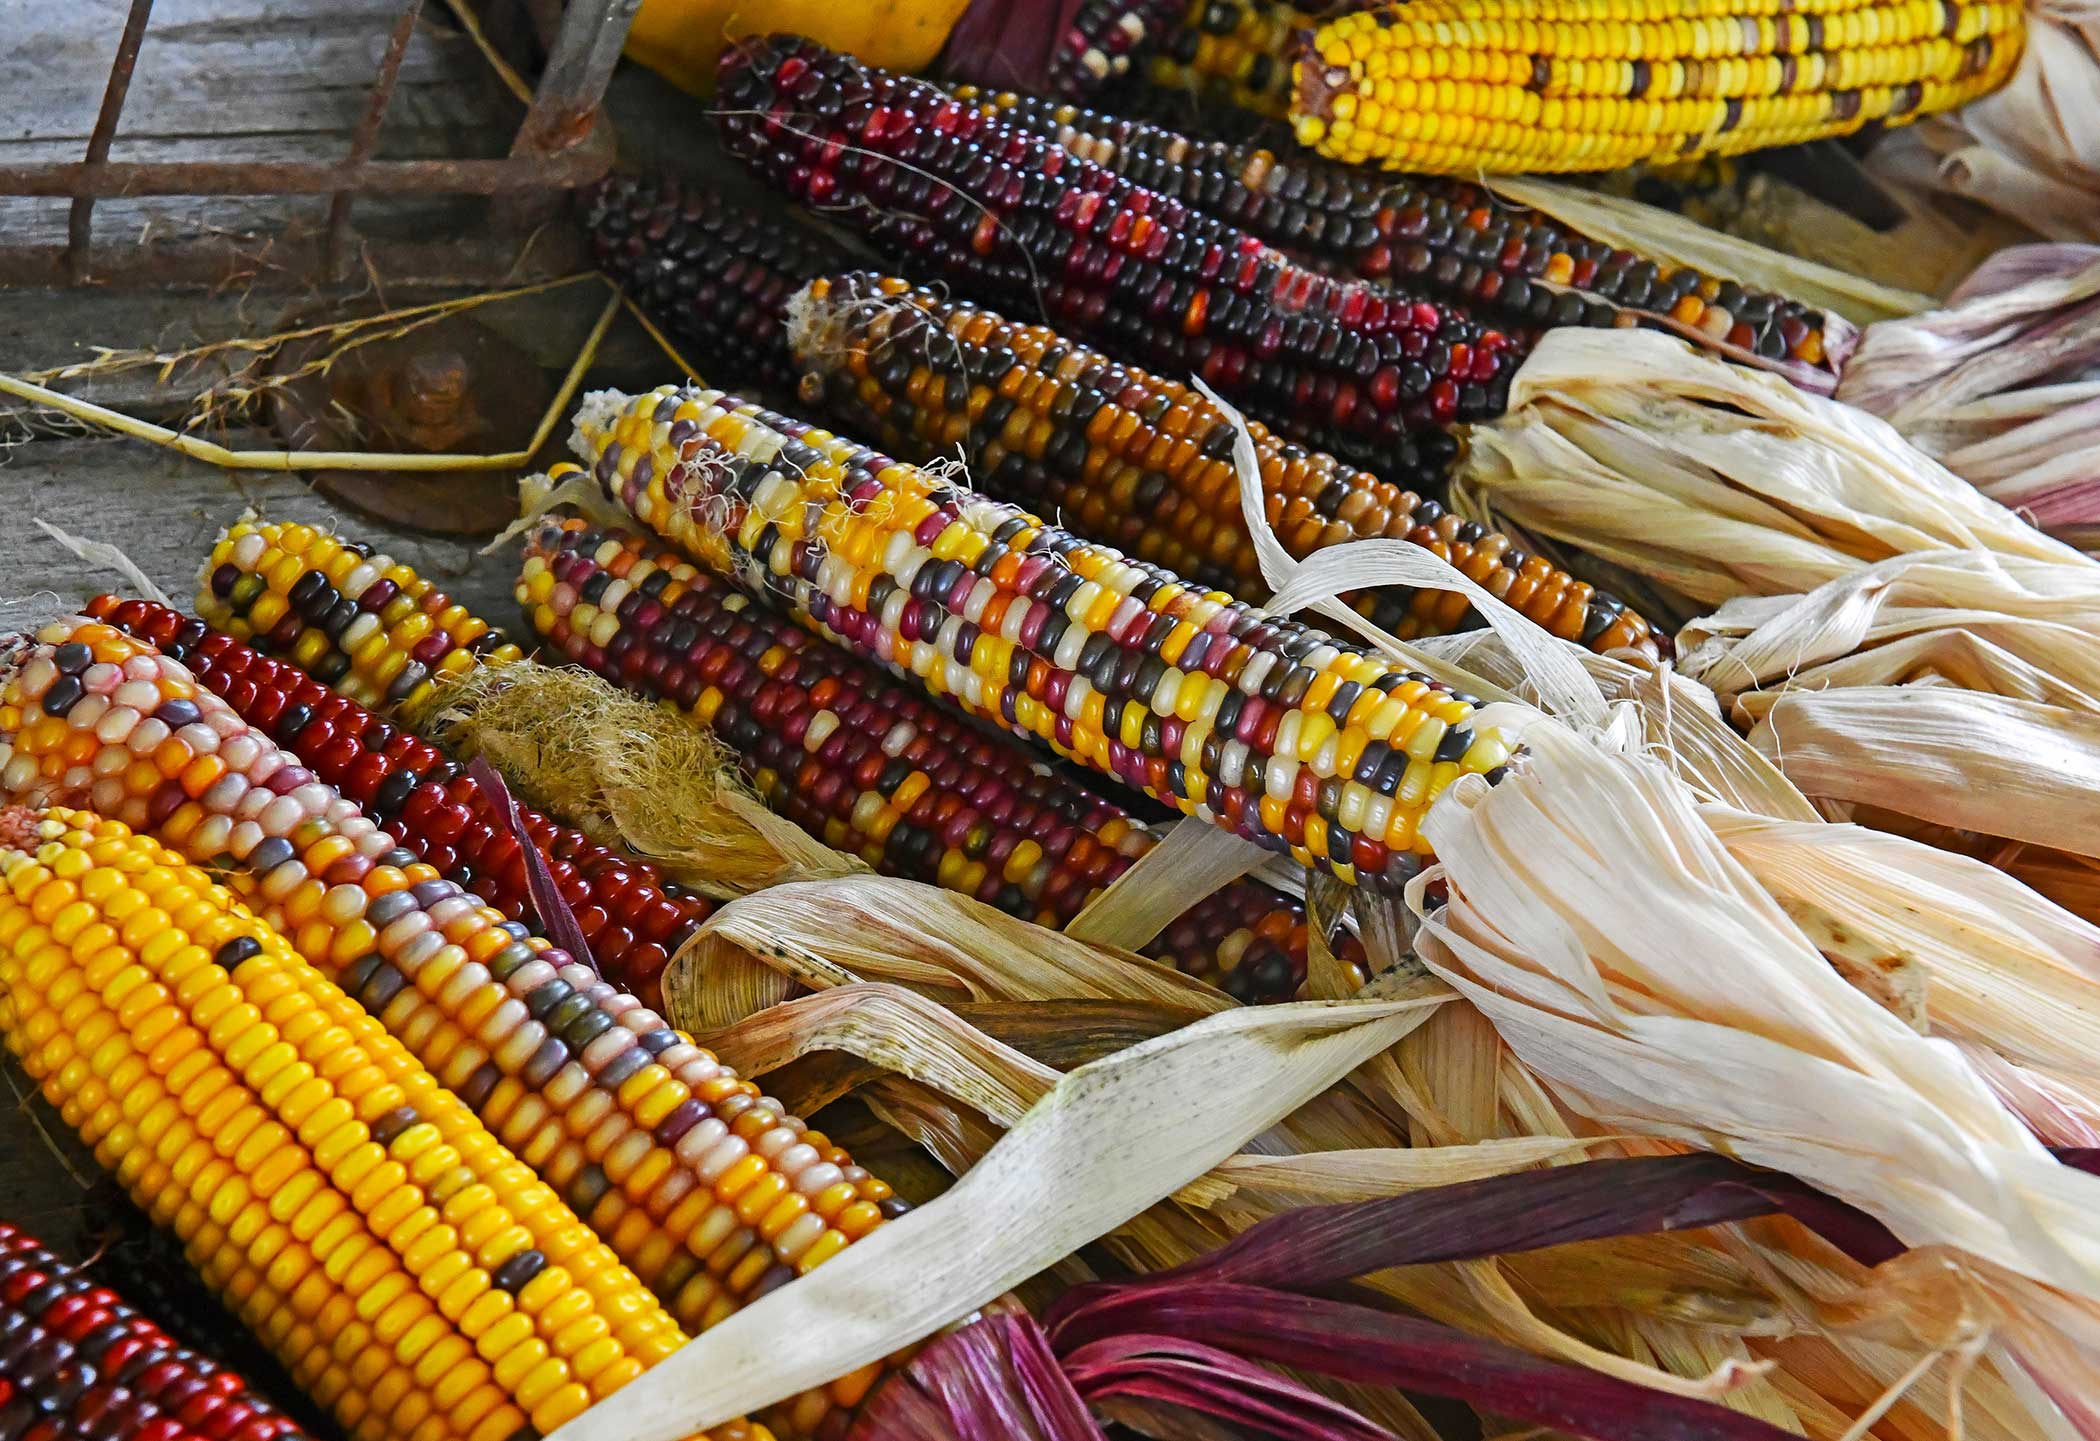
434 385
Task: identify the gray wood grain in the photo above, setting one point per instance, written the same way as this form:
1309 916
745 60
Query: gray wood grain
164 510
226 80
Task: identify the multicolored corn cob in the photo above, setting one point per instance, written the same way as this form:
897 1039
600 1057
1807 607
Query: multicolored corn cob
77 1363
1460 86
1239 51
852 757
1298 742
1361 370
1453 239
712 1192
634 920
363 622
1104 38
1143 462
714 274
409 1272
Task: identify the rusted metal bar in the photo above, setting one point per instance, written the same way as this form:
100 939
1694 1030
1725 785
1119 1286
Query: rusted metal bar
564 107
268 177
80 224
367 135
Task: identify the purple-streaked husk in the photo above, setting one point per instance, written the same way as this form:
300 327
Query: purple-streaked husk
1202 1336
1315 1247
1991 383
557 921
1373 1347
1201 1378
993 1380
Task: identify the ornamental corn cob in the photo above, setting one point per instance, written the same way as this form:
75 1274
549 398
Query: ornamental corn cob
634 920
1144 462
1103 39
1239 50
364 623
76 1362
713 1193
853 757
1265 726
408 1271
1453 239
1460 86
1042 430
712 273
1359 370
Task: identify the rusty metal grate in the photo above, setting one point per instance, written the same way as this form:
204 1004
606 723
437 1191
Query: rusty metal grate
556 146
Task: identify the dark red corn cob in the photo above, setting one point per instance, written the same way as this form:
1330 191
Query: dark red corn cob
1362 370
1449 237
715 275
633 918
77 1364
855 758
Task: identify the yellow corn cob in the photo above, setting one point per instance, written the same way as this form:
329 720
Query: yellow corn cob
364 623
1460 86
710 1190
412 1275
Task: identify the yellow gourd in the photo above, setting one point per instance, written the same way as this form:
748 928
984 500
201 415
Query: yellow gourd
682 39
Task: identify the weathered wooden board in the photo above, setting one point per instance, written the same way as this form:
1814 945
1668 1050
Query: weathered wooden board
245 80
163 511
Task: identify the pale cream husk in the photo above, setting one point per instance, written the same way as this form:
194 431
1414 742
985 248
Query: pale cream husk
1712 480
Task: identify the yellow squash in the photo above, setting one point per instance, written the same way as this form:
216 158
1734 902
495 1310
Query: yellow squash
682 39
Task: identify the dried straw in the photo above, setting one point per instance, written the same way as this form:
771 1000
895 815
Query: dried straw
627 772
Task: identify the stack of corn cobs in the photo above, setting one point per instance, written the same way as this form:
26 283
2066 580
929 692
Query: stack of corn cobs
386 1051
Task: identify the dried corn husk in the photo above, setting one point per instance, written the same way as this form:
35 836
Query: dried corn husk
2003 385
1948 1167
1713 480
1972 762
1136 1126
1577 890
2007 626
1666 235
2030 150
1957 690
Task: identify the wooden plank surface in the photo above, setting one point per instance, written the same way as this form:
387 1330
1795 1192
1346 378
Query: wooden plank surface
233 80
163 511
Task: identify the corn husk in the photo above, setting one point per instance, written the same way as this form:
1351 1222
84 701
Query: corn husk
2030 150
1713 480
1665 235
1577 887
2004 626
2003 385
1958 691
1135 1126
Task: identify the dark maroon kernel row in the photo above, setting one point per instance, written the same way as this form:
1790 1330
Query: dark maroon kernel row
715 275
78 1364
1362 370
1450 237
